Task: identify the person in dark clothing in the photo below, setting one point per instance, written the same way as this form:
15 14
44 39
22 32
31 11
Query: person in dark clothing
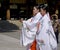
56 25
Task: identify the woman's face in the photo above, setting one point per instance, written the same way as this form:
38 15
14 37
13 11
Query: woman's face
43 12
35 11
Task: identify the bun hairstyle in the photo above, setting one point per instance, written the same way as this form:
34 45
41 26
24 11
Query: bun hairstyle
44 7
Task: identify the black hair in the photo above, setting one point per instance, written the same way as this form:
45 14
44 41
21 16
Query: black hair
44 7
37 6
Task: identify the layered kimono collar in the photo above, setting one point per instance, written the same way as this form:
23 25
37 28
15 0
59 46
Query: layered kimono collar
38 15
44 16
47 16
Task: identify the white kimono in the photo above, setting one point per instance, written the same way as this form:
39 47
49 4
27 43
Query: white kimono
46 34
29 35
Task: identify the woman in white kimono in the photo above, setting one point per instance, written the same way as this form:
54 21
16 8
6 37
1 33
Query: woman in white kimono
46 39
29 29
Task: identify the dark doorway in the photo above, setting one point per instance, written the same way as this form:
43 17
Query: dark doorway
30 4
4 7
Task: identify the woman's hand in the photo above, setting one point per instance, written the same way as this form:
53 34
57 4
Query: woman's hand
41 41
38 26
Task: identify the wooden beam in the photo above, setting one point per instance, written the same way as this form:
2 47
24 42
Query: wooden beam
41 1
17 1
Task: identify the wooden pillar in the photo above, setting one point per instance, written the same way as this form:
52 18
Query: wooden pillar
8 14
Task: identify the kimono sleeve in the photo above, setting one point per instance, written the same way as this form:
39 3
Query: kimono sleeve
32 24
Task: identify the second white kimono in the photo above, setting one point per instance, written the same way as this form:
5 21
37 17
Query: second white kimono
46 34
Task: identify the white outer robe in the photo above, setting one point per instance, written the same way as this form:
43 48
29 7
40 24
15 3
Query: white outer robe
29 35
45 35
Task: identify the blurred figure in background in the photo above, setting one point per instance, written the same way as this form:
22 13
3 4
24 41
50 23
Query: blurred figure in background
56 24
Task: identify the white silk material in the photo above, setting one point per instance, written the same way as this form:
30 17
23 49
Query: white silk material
29 30
46 33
